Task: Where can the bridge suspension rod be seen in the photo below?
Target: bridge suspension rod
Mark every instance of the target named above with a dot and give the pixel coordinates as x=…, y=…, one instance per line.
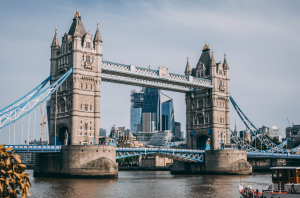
x=34, y=101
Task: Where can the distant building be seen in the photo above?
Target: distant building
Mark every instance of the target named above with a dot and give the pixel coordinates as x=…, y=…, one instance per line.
x=265, y=130
x=293, y=133
x=137, y=98
x=178, y=135
x=275, y=132
x=151, y=111
x=160, y=138
x=102, y=132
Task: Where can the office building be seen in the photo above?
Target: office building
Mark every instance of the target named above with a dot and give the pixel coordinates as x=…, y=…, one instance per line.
x=102, y=132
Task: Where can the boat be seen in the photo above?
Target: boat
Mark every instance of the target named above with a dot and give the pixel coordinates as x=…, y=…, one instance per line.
x=285, y=184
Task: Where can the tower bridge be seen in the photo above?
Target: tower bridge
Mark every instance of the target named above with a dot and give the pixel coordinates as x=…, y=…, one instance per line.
x=76, y=72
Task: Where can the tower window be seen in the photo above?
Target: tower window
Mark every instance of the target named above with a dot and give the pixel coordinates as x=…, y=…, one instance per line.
x=85, y=86
x=88, y=44
x=90, y=128
x=90, y=122
x=91, y=109
x=86, y=127
x=83, y=58
x=88, y=59
x=90, y=134
x=81, y=85
x=91, y=87
x=81, y=110
x=79, y=143
x=86, y=107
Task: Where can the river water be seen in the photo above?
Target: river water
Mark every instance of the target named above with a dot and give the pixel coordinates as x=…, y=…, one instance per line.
x=147, y=184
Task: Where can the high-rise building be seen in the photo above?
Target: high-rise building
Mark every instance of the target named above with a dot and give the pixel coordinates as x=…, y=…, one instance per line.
x=102, y=132
x=177, y=130
x=137, y=98
x=151, y=111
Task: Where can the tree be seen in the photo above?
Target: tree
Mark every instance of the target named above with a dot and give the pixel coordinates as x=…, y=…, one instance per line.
x=13, y=180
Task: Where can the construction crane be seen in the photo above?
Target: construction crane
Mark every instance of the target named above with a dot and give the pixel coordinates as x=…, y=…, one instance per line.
x=288, y=121
x=43, y=123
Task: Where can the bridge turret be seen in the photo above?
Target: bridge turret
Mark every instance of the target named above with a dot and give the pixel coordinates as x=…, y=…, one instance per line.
x=78, y=98
x=54, y=51
x=98, y=40
x=188, y=71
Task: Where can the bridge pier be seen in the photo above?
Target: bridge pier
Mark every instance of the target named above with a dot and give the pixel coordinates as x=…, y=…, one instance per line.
x=78, y=161
x=216, y=162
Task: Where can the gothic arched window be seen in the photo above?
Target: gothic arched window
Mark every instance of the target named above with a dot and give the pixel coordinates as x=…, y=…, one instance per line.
x=86, y=107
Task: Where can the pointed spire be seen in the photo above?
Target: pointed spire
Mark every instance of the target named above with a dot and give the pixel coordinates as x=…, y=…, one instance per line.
x=212, y=60
x=55, y=42
x=97, y=37
x=188, y=71
x=225, y=64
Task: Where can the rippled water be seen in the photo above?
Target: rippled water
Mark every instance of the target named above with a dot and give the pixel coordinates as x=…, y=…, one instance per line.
x=146, y=184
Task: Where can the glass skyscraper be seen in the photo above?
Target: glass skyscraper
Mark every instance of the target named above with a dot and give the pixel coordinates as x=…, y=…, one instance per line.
x=151, y=111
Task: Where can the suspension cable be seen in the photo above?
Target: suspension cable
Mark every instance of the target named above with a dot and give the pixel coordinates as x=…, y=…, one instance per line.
x=28, y=128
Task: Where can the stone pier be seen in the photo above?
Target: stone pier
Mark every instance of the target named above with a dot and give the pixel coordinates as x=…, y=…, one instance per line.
x=78, y=161
x=216, y=162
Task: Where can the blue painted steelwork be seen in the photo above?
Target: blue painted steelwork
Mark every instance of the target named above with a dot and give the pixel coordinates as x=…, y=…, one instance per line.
x=34, y=148
x=18, y=112
x=28, y=96
x=244, y=145
x=179, y=154
x=263, y=139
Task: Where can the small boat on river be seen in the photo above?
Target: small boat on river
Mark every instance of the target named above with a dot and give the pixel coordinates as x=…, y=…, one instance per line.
x=285, y=184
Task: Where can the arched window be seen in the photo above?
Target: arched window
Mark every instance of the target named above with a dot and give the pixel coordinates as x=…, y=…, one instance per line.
x=90, y=128
x=63, y=106
x=91, y=143
x=81, y=85
x=86, y=107
x=91, y=87
x=195, y=120
x=90, y=107
x=82, y=57
x=85, y=86
x=200, y=120
x=81, y=107
x=200, y=103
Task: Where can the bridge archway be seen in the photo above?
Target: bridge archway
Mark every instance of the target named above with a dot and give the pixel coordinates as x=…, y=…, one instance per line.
x=62, y=131
x=202, y=143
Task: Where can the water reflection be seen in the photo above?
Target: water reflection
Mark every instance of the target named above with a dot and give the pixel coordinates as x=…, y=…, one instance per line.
x=146, y=184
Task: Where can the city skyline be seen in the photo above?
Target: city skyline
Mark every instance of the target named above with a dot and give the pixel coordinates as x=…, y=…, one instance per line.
x=263, y=86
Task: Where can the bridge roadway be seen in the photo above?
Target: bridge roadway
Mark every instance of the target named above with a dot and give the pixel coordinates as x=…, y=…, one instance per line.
x=179, y=154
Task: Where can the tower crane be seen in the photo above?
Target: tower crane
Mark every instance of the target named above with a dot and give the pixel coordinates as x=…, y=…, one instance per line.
x=43, y=123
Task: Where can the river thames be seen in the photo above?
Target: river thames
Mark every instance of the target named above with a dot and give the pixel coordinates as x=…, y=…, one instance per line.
x=147, y=184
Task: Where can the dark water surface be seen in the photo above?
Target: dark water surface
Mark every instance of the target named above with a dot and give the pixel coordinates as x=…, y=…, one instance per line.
x=147, y=184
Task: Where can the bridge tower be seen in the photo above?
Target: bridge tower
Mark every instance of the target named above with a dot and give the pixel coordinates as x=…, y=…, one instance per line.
x=78, y=99
x=207, y=110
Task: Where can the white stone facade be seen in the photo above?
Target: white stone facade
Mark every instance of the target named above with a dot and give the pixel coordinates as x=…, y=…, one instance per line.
x=78, y=99
x=207, y=110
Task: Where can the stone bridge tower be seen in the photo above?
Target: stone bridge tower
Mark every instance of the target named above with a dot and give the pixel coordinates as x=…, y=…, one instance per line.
x=207, y=110
x=78, y=99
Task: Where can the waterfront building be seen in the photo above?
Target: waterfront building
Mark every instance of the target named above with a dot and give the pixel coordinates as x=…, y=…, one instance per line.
x=161, y=138
x=102, y=132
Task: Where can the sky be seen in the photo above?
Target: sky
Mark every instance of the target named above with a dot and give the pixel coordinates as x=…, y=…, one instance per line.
x=261, y=40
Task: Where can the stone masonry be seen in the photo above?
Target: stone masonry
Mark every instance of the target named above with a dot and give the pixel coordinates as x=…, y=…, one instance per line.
x=207, y=111
x=78, y=99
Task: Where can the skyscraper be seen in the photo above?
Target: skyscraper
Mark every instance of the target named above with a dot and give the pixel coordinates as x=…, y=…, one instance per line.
x=151, y=111
x=137, y=98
